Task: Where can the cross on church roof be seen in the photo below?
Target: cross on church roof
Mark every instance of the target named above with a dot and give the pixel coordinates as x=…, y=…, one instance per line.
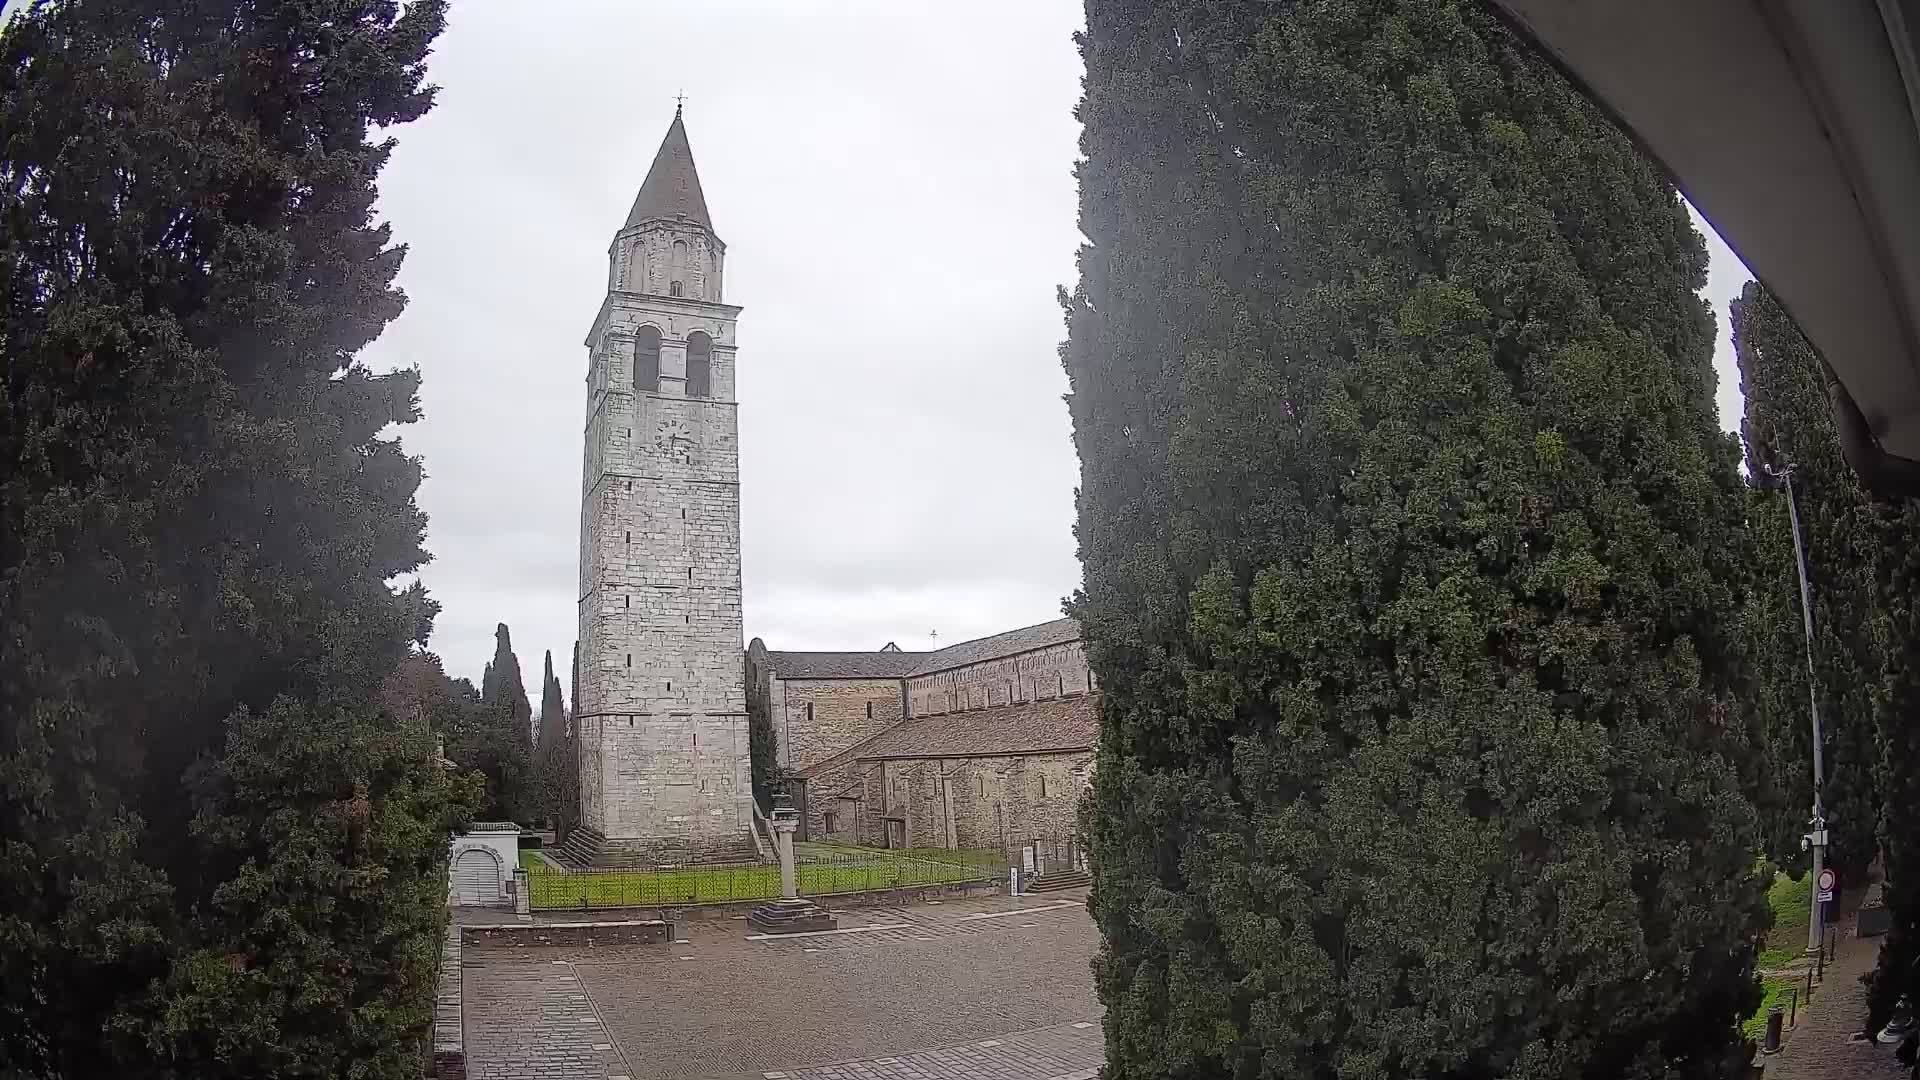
x=679, y=100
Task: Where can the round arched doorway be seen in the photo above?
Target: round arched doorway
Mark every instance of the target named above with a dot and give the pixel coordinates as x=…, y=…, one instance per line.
x=476, y=877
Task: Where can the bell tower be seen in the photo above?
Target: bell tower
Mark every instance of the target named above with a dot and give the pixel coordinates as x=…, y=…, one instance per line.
x=661, y=722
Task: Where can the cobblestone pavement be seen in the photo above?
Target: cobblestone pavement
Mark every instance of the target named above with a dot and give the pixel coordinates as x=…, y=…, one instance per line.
x=869, y=1000
x=1063, y=1052
x=533, y=1019
x=1822, y=1045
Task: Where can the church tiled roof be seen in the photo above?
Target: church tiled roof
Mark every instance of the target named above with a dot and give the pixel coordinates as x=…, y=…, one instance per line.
x=843, y=665
x=894, y=664
x=1025, y=639
x=672, y=187
x=1057, y=725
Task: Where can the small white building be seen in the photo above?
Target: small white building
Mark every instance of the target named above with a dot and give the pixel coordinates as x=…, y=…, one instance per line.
x=481, y=862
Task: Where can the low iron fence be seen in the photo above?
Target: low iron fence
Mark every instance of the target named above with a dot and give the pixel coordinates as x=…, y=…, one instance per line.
x=552, y=889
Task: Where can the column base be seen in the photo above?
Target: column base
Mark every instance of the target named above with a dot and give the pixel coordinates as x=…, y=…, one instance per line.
x=795, y=915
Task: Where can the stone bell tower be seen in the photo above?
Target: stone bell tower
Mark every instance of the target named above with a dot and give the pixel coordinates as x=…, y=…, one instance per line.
x=661, y=724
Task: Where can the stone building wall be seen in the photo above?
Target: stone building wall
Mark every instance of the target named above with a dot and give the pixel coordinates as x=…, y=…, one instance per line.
x=1035, y=675
x=997, y=803
x=662, y=712
x=644, y=260
x=814, y=719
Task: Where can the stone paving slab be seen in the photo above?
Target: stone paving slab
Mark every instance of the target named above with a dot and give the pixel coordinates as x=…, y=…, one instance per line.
x=555, y=1030
x=1071, y=1051
x=949, y=976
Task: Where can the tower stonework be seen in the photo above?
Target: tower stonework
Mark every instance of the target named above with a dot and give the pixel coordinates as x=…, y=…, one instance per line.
x=661, y=723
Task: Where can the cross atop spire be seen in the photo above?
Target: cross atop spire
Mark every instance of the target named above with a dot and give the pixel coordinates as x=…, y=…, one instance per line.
x=679, y=99
x=672, y=187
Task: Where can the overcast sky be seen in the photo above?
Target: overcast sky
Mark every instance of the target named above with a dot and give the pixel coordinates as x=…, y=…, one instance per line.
x=893, y=182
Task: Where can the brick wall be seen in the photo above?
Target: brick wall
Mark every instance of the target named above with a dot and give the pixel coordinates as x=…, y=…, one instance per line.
x=1029, y=676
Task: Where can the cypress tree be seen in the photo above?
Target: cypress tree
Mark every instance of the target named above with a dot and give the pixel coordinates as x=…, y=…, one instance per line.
x=552, y=753
x=218, y=855
x=1863, y=576
x=1406, y=525
x=1788, y=421
x=1898, y=970
x=503, y=686
x=553, y=713
x=570, y=755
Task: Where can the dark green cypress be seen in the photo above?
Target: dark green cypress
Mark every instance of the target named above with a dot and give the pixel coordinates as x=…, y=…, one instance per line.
x=553, y=713
x=508, y=690
x=220, y=858
x=1787, y=421
x=1898, y=969
x=1410, y=543
x=1864, y=576
x=553, y=763
x=489, y=731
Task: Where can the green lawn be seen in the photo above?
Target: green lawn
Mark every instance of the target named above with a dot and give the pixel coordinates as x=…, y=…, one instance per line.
x=1775, y=990
x=842, y=870
x=1787, y=941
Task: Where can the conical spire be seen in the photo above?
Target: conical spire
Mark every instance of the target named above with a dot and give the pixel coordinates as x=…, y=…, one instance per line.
x=672, y=187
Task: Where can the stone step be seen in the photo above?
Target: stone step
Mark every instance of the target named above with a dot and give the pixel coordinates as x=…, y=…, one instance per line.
x=587, y=849
x=1055, y=880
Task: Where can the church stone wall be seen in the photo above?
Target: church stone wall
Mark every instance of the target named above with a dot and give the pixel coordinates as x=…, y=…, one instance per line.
x=814, y=719
x=1035, y=675
x=995, y=803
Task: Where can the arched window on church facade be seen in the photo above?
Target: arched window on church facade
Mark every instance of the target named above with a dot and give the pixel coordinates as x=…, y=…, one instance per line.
x=699, y=365
x=646, y=360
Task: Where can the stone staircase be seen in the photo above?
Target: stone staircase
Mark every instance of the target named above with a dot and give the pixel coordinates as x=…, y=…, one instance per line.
x=1056, y=879
x=582, y=849
x=587, y=849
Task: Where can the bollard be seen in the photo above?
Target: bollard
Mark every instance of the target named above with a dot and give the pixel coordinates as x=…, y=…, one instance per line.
x=1793, y=1007
x=1771, y=1044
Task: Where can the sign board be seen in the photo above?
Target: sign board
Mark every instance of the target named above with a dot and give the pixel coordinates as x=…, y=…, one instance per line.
x=1026, y=858
x=1824, y=886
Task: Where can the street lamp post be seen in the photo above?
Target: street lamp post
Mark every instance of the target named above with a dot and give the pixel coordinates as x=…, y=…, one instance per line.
x=1816, y=840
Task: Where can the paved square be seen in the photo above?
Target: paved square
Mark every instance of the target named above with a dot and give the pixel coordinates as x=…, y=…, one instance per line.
x=926, y=993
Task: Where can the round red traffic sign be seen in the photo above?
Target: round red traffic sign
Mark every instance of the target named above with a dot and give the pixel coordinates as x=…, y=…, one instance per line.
x=1826, y=880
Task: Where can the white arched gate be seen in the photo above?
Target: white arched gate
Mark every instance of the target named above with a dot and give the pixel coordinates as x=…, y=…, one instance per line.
x=476, y=877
